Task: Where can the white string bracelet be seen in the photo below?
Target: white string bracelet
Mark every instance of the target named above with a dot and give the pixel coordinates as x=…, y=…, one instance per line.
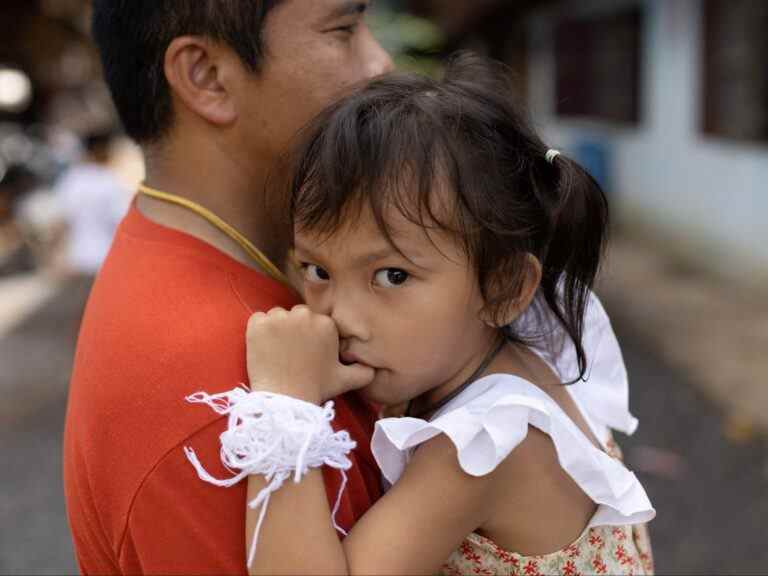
x=277, y=437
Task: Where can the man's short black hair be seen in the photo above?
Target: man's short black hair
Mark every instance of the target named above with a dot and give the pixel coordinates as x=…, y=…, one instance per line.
x=133, y=36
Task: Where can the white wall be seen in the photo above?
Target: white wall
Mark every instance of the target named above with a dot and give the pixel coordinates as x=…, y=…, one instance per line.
x=709, y=196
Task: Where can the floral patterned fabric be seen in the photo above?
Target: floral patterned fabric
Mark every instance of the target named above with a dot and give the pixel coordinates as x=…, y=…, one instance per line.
x=610, y=550
x=602, y=550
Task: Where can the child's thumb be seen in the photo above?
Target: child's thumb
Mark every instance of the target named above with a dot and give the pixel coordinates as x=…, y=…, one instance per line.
x=353, y=377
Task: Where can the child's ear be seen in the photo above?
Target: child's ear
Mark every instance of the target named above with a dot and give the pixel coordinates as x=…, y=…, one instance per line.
x=508, y=305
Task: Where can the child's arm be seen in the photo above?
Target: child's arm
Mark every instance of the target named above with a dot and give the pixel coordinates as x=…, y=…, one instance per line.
x=413, y=529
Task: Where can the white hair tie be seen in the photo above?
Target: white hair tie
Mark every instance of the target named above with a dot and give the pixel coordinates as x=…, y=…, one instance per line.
x=551, y=155
x=277, y=437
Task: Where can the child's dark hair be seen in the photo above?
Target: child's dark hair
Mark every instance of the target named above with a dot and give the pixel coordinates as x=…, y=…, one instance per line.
x=387, y=145
x=133, y=35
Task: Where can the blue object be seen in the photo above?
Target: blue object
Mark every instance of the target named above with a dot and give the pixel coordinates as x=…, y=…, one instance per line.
x=595, y=158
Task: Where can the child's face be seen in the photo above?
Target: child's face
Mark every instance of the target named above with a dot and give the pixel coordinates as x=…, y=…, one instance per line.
x=417, y=323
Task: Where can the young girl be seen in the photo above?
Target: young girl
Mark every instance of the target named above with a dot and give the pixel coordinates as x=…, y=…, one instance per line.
x=428, y=218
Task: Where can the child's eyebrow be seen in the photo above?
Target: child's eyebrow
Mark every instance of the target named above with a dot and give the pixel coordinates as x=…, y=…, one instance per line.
x=298, y=247
x=410, y=254
x=368, y=258
x=376, y=255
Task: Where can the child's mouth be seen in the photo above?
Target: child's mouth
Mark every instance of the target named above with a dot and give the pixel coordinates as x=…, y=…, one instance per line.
x=348, y=358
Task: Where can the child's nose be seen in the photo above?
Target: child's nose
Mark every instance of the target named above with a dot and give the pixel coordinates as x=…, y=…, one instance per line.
x=350, y=321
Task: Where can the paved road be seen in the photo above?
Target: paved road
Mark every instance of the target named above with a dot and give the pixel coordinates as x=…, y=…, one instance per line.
x=35, y=362
x=712, y=497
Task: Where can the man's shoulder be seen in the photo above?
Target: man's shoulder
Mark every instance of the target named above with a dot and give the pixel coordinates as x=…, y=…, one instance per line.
x=156, y=273
x=163, y=269
x=164, y=321
x=171, y=262
x=167, y=315
x=159, y=305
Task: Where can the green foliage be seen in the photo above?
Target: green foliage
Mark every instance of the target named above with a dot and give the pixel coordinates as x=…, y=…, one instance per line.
x=414, y=43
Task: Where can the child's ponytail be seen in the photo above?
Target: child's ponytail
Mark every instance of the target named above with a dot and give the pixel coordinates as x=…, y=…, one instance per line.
x=578, y=212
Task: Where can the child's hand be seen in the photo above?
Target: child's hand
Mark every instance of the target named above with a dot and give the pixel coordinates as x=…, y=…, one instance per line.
x=296, y=353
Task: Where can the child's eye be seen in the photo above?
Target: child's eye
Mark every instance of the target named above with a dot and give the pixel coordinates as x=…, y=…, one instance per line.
x=391, y=277
x=315, y=274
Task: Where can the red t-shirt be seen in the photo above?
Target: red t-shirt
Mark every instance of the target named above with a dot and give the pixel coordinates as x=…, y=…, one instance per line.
x=167, y=318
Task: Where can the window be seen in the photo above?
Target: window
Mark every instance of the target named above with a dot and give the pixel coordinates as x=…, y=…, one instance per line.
x=598, y=66
x=735, y=69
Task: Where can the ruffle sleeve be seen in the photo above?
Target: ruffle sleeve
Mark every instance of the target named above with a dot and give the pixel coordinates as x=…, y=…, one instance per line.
x=604, y=394
x=491, y=419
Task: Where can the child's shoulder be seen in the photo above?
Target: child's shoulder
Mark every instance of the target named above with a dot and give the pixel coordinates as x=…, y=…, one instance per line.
x=478, y=429
x=505, y=420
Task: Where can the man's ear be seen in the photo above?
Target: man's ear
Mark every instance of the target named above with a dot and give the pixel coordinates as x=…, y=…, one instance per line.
x=199, y=74
x=508, y=306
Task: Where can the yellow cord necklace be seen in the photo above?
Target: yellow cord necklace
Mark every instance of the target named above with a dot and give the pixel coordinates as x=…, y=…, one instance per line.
x=247, y=246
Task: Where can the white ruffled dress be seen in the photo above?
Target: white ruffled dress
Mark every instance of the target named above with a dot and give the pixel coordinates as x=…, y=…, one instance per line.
x=491, y=417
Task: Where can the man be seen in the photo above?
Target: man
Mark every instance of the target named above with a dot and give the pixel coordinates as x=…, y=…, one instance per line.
x=213, y=91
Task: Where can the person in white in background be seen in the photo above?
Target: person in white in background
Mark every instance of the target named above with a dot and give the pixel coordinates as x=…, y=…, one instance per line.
x=92, y=200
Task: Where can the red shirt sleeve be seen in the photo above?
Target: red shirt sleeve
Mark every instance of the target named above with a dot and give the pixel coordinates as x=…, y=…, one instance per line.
x=179, y=524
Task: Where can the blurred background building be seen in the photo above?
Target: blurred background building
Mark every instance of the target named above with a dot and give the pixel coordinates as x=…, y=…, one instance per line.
x=665, y=102
x=668, y=103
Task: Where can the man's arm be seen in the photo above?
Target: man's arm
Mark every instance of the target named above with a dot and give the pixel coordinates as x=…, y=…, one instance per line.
x=178, y=524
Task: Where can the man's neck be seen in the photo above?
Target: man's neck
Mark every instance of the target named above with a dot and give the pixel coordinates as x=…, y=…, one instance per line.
x=233, y=196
